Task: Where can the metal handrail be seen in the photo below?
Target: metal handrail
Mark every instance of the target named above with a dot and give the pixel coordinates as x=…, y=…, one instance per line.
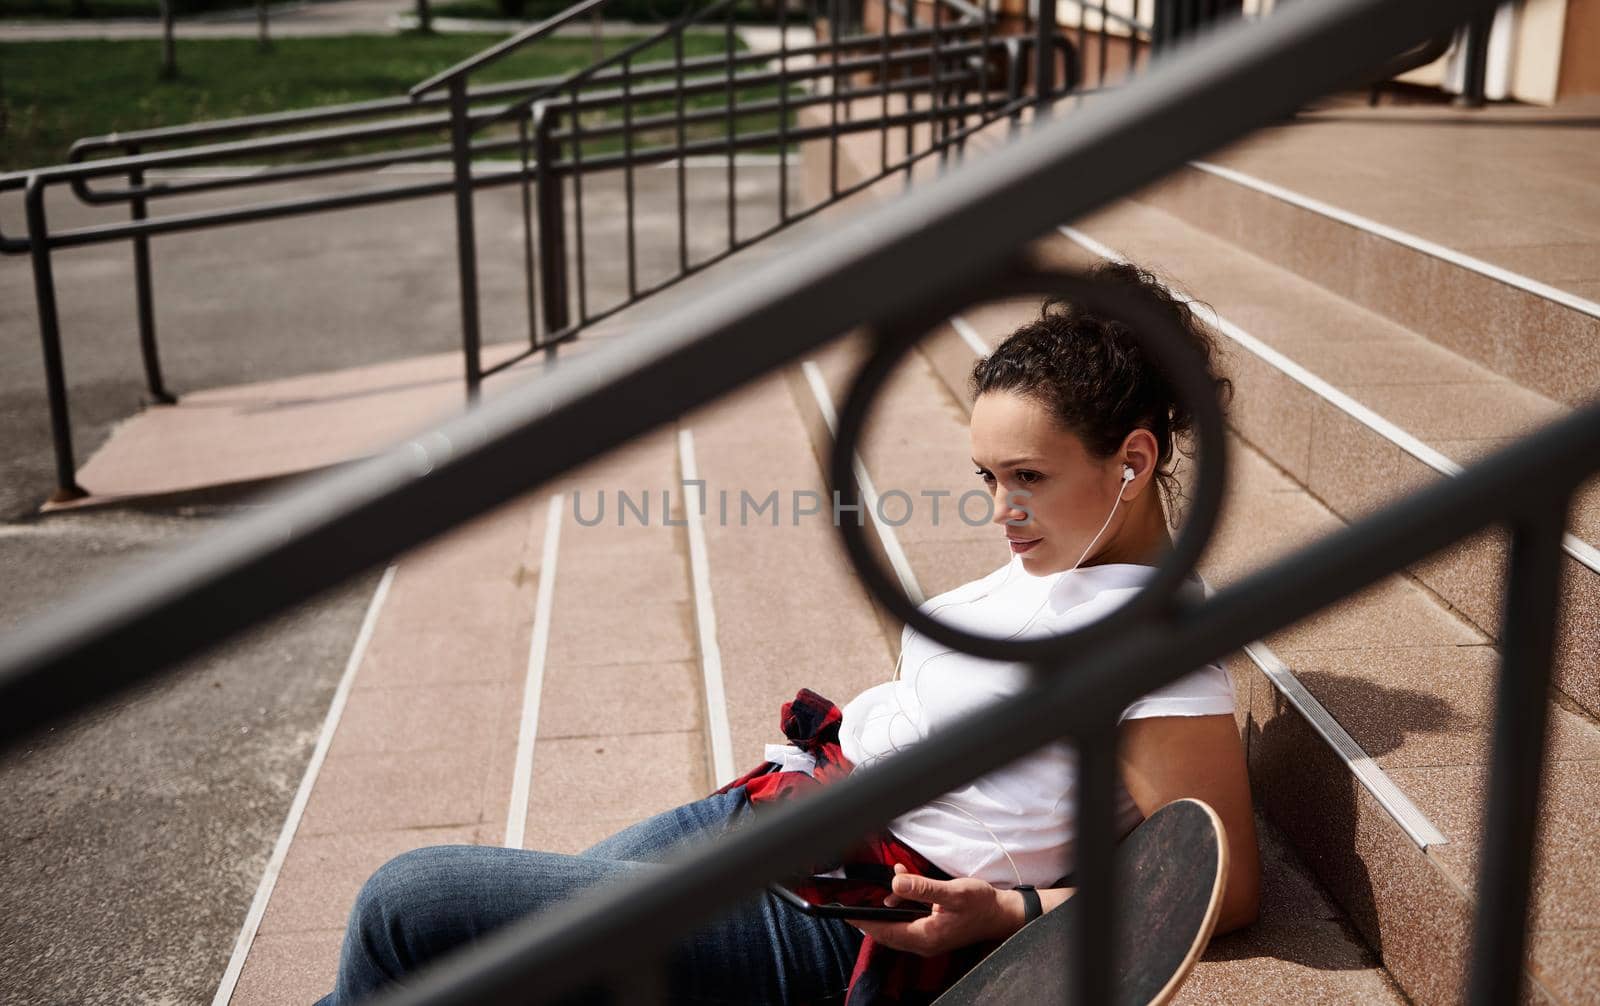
x=159, y=135
x=463, y=122
x=605, y=68
x=79, y=170
x=500, y=50
x=544, y=28
x=467, y=115
x=891, y=271
x=567, y=100
x=949, y=122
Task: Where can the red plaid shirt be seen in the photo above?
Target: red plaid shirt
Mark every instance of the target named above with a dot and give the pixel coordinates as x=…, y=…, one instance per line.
x=882, y=975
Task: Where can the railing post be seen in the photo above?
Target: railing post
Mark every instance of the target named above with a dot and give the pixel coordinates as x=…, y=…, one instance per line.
x=466, y=236
x=1163, y=22
x=1071, y=64
x=1475, y=60
x=55, y=378
x=1014, y=58
x=1044, y=55
x=552, y=220
x=527, y=230
x=911, y=96
x=1510, y=816
x=146, y=299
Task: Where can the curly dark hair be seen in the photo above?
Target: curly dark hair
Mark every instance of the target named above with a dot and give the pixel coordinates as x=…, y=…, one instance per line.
x=1095, y=377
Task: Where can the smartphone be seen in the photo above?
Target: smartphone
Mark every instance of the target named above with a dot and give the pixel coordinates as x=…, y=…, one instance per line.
x=839, y=898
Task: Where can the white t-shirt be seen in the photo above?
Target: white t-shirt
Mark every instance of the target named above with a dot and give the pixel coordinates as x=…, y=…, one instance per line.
x=1013, y=825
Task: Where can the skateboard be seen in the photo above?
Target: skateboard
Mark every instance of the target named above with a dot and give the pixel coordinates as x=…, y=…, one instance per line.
x=1170, y=874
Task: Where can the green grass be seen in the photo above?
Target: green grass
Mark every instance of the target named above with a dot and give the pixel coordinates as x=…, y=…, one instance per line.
x=52, y=93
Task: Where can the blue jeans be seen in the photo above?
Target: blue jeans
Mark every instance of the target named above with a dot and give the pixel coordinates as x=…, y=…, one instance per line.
x=425, y=903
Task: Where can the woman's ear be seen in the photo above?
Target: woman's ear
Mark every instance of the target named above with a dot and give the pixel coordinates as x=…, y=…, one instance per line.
x=1138, y=453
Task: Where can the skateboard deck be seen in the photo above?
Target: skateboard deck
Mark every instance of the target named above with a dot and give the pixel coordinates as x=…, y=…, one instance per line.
x=1170, y=874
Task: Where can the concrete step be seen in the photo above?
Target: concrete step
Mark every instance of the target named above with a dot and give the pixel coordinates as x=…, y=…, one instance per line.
x=601, y=680
x=418, y=749
x=1471, y=289
x=612, y=693
x=789, y=610
x=622, y=720
x=1300, y=949
x=238, y=438
x=498, y=701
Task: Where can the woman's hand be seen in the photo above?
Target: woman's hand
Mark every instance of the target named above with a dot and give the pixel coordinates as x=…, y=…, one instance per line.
x=965, y=911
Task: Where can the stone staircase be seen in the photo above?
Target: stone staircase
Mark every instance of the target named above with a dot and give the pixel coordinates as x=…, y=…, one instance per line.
x=427, y=747
x=1367, y=363
x=539, y=679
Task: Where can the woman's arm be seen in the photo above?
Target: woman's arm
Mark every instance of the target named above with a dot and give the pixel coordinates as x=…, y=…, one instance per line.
x=1167, y=758
x=1164, y=758
x=1016, y=911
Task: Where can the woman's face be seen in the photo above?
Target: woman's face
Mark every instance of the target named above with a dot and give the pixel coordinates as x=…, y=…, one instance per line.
x=1019, y=449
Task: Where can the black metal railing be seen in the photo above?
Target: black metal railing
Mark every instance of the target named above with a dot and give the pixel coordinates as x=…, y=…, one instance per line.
x=620, y=114
x=331, y=128
x=557, y=142
x=897, y=274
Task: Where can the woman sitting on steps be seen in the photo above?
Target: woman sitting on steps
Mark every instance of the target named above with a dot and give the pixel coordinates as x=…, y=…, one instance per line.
x=1072, y=430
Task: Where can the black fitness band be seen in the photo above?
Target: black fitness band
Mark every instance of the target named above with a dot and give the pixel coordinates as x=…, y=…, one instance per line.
x=1032, y=906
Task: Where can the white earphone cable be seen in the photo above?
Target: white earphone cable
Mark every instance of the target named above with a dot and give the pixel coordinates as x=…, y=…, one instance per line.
x=995, y=838
x=1092, y=541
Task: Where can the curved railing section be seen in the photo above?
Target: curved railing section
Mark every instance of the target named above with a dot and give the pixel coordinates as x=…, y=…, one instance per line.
x=953, y=74
x=603, y=117
x=902, y=268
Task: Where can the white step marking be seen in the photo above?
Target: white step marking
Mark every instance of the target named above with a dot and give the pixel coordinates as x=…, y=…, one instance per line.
x=297, y=808
x=1400, y=237
x=1374, y=779
x=970, y=336
x=717, y=728
x=869, y=493
x=533, y=688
